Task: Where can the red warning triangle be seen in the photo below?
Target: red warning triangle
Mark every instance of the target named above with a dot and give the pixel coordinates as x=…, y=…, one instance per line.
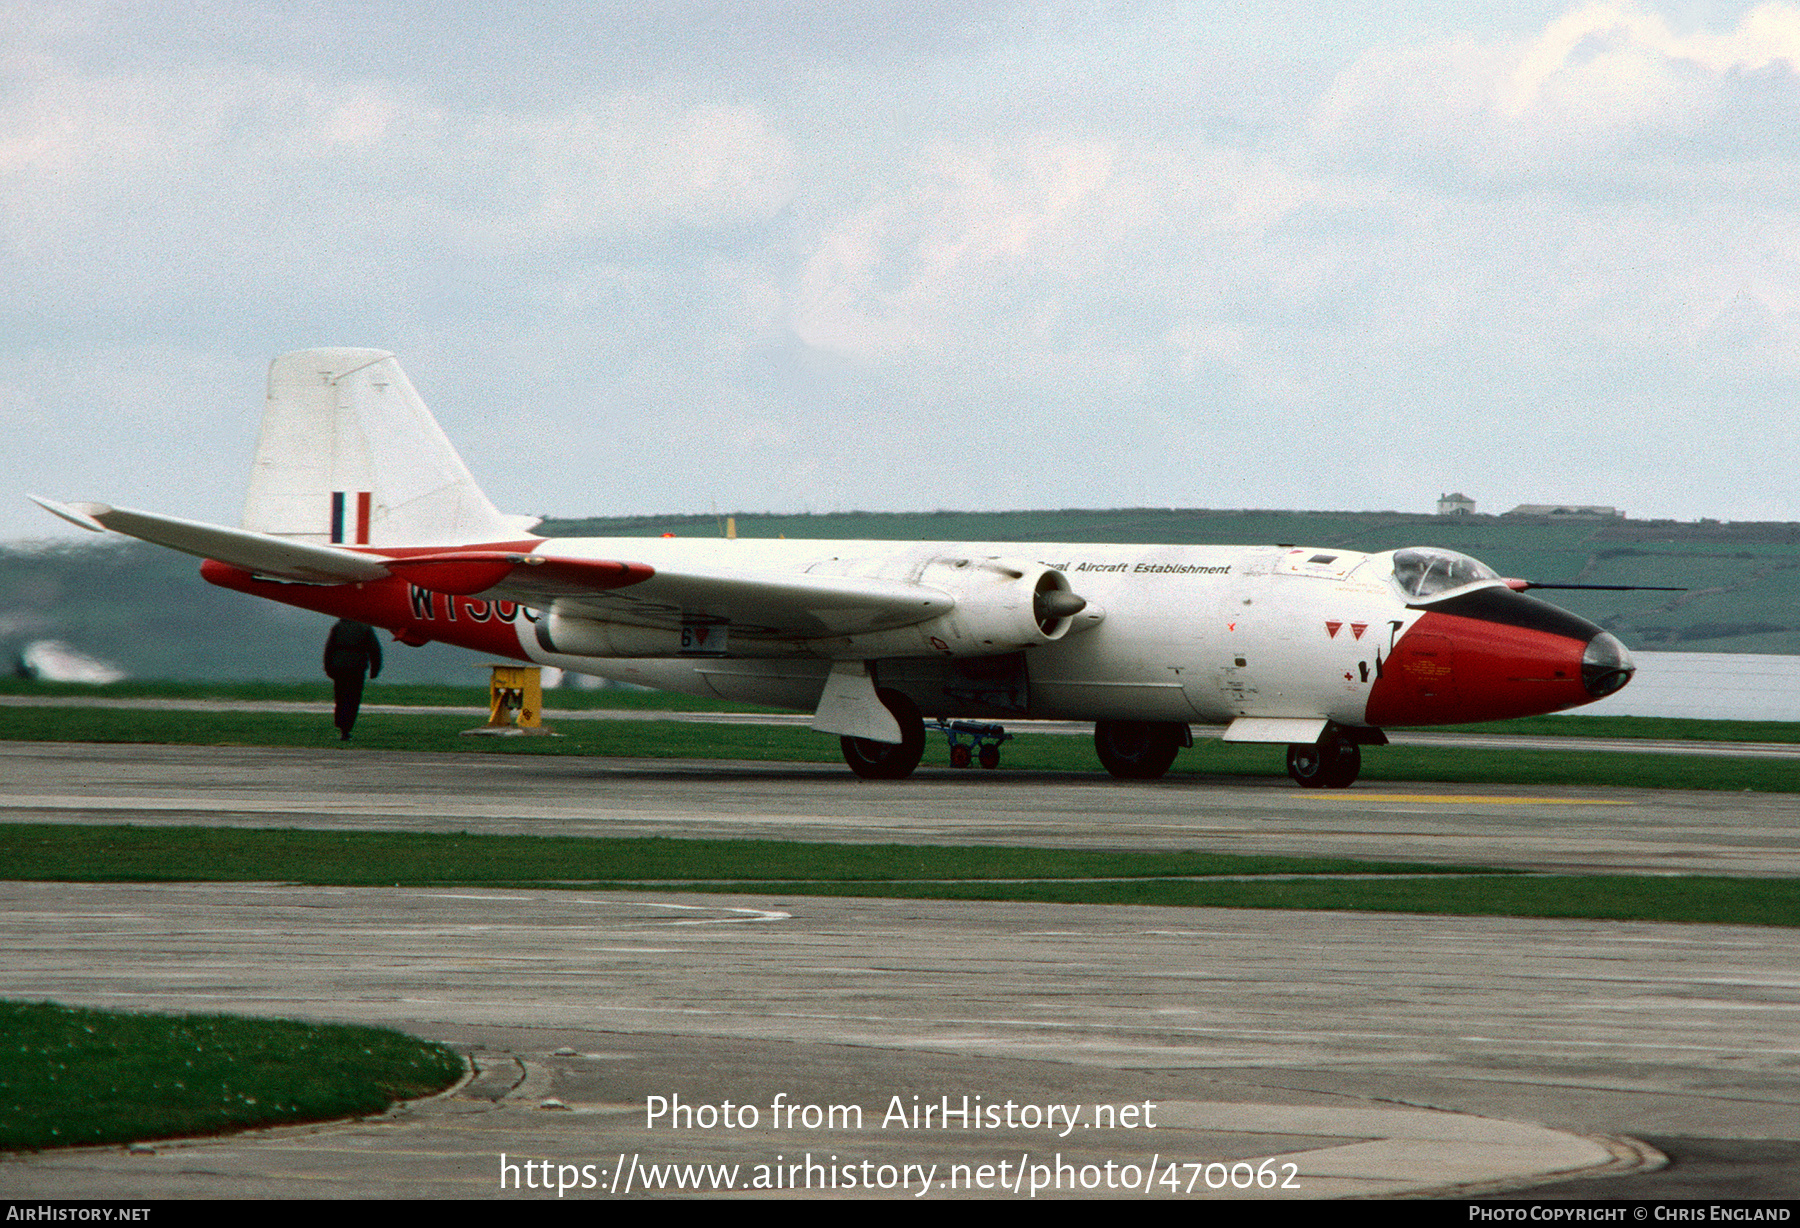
x=1357, y=629
x=1332, y=627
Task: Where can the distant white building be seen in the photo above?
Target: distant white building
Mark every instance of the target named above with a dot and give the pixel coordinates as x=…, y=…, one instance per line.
x=1457, y=504
x=1567, y=511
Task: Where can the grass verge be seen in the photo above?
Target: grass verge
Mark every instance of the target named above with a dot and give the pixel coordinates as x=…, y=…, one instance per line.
x=678, y=740
x=56, y=852
x=80, y=853
x=419, y=694
x=1623, y=897
x=633, y=699
x=73, y=1077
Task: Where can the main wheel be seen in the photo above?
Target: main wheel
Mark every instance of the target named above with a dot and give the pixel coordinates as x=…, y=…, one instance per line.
x=1137, y=750
x=1331, y=764
x=889, y=760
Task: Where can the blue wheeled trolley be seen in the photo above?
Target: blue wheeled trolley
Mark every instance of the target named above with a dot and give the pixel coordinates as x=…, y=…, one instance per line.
x=971, y=743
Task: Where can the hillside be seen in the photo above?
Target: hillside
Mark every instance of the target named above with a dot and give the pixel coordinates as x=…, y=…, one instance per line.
x=148, y=611
x=1743, y=578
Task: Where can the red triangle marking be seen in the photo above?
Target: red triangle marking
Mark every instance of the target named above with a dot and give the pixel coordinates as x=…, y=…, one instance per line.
x=1332, y=627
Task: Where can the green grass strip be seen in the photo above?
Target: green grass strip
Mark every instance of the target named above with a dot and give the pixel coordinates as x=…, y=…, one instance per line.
x=1575, y=768
x=80, y=853
x=631, y=698
x=56, y=852
x=413, y=694
x=673, y=739
x=73, y=1077
x=1674, y=728
x=1719, y=901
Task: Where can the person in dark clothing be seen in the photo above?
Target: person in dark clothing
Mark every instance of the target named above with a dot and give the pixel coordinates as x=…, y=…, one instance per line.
x=351, y=649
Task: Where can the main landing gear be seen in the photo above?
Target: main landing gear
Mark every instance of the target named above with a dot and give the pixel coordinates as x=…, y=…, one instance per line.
x=970, y=743
x=1130, y=750
x=1332, y=763
x=873, y=760
x=1140, y=750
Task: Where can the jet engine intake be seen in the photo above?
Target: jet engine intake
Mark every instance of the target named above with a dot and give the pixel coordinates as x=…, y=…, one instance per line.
x=1001, y=604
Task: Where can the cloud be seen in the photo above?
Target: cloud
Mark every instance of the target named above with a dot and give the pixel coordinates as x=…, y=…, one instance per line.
x=1597, y=94
x=1035, y=244
x=705, y=253
x=186, y=177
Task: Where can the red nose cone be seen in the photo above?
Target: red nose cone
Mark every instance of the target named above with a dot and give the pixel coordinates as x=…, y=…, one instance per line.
x=1493, y=655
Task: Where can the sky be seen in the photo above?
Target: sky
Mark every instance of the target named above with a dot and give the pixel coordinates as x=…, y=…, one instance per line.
x=691, y=257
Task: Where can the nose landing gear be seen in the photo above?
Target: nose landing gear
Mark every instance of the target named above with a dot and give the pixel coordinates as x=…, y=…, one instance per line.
x=1332, y=763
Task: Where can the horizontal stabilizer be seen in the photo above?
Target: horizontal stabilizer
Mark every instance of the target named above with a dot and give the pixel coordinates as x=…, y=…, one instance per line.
x=74, y=513
x=253, y=552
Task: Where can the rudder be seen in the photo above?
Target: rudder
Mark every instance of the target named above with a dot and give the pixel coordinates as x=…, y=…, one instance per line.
x=349, y=454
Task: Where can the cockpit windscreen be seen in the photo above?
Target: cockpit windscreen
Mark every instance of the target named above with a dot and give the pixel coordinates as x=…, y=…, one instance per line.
x=1428, y=571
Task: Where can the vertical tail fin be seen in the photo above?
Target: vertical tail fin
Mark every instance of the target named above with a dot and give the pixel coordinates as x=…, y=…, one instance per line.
x=348, y=453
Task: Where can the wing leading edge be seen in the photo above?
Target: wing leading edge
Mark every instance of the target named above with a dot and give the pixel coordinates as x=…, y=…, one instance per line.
x=766, y=604
x=756, y=604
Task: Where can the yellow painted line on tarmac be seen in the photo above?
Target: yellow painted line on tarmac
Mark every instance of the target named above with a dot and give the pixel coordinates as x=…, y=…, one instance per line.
x=1454, y=798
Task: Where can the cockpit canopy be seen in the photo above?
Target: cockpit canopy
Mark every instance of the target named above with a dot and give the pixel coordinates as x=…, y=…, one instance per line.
x=1423, y=572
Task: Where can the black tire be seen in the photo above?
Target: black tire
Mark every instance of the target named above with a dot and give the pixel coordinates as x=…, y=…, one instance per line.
x=873, y=760
x=1332, y=764
x=990, y=757
x=1138, y=750
x=959, y=757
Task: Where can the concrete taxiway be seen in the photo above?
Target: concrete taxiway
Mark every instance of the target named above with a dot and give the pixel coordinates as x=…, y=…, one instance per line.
x=1640, y=831
x=1376, y=1053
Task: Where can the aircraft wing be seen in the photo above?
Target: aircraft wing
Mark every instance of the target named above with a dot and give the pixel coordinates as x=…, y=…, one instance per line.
x=756, y=604
x=256, y=552
x=767, y=604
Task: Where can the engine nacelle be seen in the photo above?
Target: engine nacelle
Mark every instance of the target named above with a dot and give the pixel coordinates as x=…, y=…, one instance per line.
x=587, y=637
x=1001, y=605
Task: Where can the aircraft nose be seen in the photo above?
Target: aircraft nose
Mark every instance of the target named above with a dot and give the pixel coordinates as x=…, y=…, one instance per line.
x=1490, y=655
x=1605, y=665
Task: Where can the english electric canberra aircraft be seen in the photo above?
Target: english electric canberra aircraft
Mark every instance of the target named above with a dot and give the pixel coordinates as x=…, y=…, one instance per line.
x=359, y=507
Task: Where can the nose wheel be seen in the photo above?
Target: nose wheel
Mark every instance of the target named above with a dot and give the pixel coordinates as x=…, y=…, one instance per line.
x=1331, y=764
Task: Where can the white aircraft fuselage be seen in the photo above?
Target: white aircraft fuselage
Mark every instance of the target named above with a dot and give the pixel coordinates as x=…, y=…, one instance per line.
x=1213, y=634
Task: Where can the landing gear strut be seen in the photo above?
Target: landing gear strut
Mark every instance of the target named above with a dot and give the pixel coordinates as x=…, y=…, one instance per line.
x=874, y=760
x=1330, y=764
